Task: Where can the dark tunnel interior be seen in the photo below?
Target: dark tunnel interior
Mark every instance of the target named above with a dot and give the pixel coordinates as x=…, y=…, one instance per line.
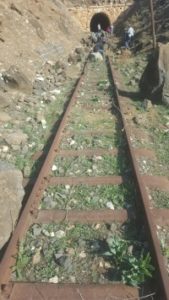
x=99, y=18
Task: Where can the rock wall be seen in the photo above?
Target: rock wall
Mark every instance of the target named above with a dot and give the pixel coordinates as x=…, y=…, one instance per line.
x=34, y=31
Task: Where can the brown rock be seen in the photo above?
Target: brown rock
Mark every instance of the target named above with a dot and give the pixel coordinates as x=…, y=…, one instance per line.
x=15, y=138
x=11, y=195
x=140, y=120
x=15, y=79
x=4, y=100
x=37, y=257
x=4, y=117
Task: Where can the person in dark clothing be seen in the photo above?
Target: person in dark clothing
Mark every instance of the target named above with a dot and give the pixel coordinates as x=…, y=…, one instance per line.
x=126, y=38
x=99, y=47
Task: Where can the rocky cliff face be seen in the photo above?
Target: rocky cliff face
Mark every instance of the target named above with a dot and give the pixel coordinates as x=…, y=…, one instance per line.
x=34, y=31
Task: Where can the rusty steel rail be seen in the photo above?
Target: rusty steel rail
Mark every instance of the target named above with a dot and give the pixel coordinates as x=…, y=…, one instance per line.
x=151, y=227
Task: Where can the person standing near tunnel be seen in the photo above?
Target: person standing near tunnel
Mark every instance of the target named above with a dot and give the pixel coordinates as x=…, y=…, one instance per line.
x=112, y=29
x=131, y=33
x=99, y=31
x=99, y=27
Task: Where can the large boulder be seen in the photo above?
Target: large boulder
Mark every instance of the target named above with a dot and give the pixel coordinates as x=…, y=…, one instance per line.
x=11, y=196
x=16, y=79
x=4, y=100
x=96, y=56
x=4, y=117
x=15, y=137
x=154, y=83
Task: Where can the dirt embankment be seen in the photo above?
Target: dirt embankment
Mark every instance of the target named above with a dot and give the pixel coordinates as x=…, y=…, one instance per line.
x=34, y=31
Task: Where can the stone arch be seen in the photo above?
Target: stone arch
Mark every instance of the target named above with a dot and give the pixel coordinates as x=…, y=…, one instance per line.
x=99, y=18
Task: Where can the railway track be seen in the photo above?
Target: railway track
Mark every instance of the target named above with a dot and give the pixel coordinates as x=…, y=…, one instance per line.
x=74, y=215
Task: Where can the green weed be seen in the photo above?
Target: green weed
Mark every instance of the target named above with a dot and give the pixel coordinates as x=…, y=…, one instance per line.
x=88, y=197
x=83, y=165
x=163, y=235
x=101, y=85
x=72, y=245
x=137, y=269
x=95, y=99
x=132, y=269
x=164, y=247
x=161, y=145
x=21, y=262
x=160, y=199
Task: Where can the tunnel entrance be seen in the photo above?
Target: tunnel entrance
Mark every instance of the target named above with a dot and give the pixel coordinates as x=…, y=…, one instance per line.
x=99, y=18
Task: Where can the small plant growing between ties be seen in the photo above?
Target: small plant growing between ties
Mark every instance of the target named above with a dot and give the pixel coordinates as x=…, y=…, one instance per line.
x=164, y=245
x=95, y=99
x=130, y=269
x=21, y=262
x=101, y=85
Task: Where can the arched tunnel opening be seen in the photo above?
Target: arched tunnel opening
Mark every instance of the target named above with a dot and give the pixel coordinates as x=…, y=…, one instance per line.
x=99, y=18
